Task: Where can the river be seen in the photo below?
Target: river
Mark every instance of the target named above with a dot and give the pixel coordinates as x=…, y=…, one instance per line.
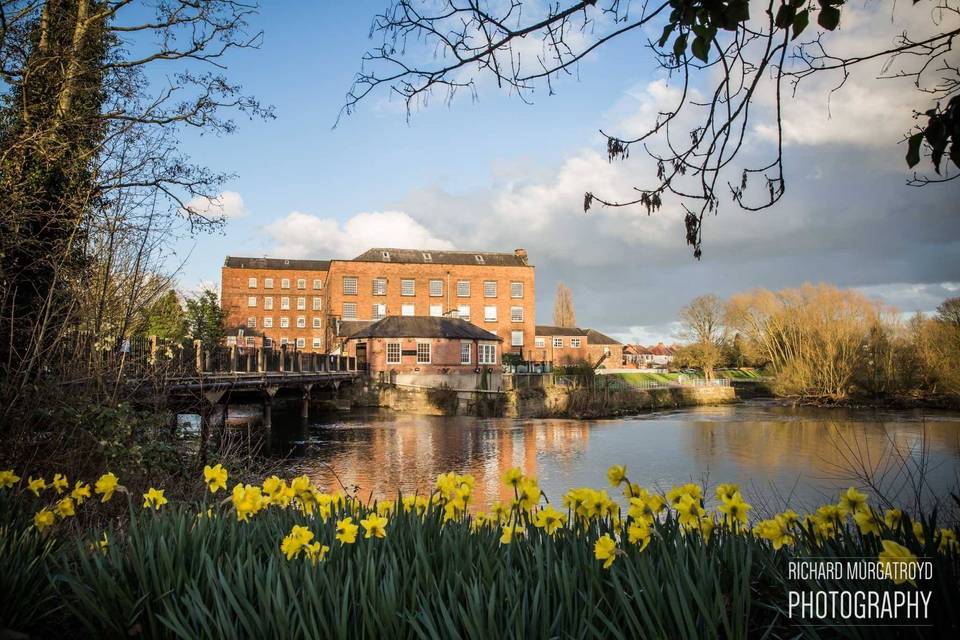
x=801, y=456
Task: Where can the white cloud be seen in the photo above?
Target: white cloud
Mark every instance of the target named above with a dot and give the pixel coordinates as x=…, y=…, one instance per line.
x=302, y=235
x=649, y=335
x=225, y=206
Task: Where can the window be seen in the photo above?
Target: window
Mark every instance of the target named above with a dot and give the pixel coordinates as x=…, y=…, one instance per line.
x=317, y=283
x=252, y=322
x=316, y=343
x=251, y=301
x=606, y=351
x=463, y=288
x=301, y=322
x=393, y=353
x=284, y=322
x=301, y=303
x=516, y=314
x=407, y=287
x=349, y=286
x=252, y=283
x=423, y=353
x=285, y=283
x=486, y=353
x=516, y=289
x=385, y=255
x=349, y=311
x=490, y=313
x=463, y=311
x=267, y=343
x=301, y=343
x=379, y=311
x=575, y=343
x=301, y=283
x=407, y=310
x=539, y=342
x=427, y=257
x=268, y=303
x=436, y=288
x=284, y=342
x=317, y=303
x=251, y=341
x=557, y=342
x=479, y=258
x=516, y=338
x=231, y=340
x=268, y=283
x=464, y=353
x=436, y=310
x=489, y=288
x=284, y=302
x=268, y=323
x=316, y=322
x=379, y=286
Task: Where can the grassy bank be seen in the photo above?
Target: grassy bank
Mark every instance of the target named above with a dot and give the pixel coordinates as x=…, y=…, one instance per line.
x=286, y=560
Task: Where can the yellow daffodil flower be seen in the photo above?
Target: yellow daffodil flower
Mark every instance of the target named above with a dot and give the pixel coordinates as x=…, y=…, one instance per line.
x=512, y=477
x=247, y=501
x=706, y=528
x=316, y=552
x=867, y=521
x=893, y=558
x=81, y=492
x=851, y=501
x=37, y=485
x=776, y=530
x=65, y=508
x=384, y=507
x=106, y=485
x=346, y=531
x=59, y=483
x=631, y=490
x=948, y=541
x=154, y=498
x=918, y=531
x=639, y=533
x=605, y=549
x=893, y=518
x=103, y=544
x=689, y=511
x=499, y=511
x=295, y=541
x=727, y=491
x=43, y=519
x=8, y=478
x=549, y=519
x=616, y=474
x=374, y=526
x=510, y=532
x=215, y=477
x=734, y=510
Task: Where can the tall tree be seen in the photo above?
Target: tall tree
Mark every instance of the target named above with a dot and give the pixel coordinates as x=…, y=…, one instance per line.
x=563, y=312
x=206, y=318
x=166, y=319
x=702, y=327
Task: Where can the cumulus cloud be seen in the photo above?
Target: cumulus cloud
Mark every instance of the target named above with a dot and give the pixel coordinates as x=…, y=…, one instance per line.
x=303, y=235
x=225, y=206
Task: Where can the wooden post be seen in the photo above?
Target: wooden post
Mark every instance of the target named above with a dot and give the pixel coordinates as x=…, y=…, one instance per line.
x=261, y=360
x=283, y=358
x=153, y=349
x=268, y=393
x=198, y=355
x=305, y=408
x=299, y=366
x=233, y=358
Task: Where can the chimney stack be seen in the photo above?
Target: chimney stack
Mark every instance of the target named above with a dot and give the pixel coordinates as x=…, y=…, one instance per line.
x=522, y=254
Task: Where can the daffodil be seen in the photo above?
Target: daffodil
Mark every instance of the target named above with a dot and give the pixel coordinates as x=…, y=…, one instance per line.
x=631, y=490
x=893, y=518
x=549, y=519
x=851, y=501
x=247, y=501
x=605, y=549
x=512, y=477
x=776, y=530
x=528, y=494
x=65, y=507
x=867, y=521
x=316, y=552
x=81, y=492
x=37, y=485
x=43, y=519
x=510, y=532
x=346, y=531
x=918, y=532
x=895, y=558
x=616, y=474
x=727, y=491
x=706, y=527
x=499, y=511
x=374, y=526
x=105, y=486
x=154, y=498
x=215, y=477
x=639, y=533
x=295, y=541
x=734, y=510
x=384, y=507
x=689, y=511
x=645, y=506
x=8, y=478
x=59, y=483
x=948, y=541
x=103, y=544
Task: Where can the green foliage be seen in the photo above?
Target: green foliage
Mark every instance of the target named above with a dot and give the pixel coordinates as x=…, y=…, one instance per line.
x=29, y=598
x=206, y=318
x=166, y=319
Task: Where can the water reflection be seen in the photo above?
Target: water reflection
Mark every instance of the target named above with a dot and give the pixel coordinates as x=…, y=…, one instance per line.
x=802, y=454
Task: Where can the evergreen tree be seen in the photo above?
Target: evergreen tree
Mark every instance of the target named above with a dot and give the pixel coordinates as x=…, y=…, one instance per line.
x=206, y=318
x=166, y=319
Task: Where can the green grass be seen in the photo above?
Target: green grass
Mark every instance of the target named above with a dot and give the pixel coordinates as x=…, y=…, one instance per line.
x=641, y=376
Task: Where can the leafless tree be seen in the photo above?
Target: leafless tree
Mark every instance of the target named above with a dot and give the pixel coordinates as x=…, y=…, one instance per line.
x=563, y=312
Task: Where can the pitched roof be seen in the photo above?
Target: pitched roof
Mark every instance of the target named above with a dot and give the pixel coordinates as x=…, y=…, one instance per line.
x=595, y=337
x=638, y=349
x=661, y=350
x=346, y=328
x=235, y=262
x=425, y=327
x=549, y=330
x=431, y=256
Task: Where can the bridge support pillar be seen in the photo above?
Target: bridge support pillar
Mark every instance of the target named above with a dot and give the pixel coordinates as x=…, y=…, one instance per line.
x=261, y=360
x=305, y=407
x=207, y=412
x=268, y=394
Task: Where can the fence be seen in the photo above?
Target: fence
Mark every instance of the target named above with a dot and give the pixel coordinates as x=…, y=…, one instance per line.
x=619, y=384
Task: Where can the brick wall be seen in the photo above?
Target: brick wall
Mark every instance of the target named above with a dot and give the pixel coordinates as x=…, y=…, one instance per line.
x=444, y=355
x=564, y=355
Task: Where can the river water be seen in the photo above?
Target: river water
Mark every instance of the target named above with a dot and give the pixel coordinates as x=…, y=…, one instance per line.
x=801, y=456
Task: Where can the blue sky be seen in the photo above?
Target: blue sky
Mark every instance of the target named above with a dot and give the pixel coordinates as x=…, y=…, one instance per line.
x=499, y=174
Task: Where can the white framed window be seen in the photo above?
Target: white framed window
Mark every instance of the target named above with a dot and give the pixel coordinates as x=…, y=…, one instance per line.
x=316, y=322
x=349, y=285
x=251, y=301
x=301, y=343
x=427, y=257
x=516, y=314
x=575, y=343
x=465, y=349
x=301, y=283
x=408, y=287
x=252, y=322
x=393, y=353
x=349, y=311
x=606, y=351
x=379, y=286
x=516, y=289
x=407, y=310
x=379, y=311
x=436, y=288
x=316, y=343
x=463, y=311
x=251, y=341
x=284, y=302
x=489, y=288
x=268, y=283
x=423, y=353
x=436, y=310
x=490, y=313
x=268, y=303
x=317, y=283
x=463, y=288
x=268, y=322
x=301, y=322
x=252, y=283
x=516, y=338
x=285, y=283
x=284, y=322
x=539, y=342
x=301, y=303
x=557, y=342
x=268, y=343
x=317, y=303
x=486, y=353
x=284, y=341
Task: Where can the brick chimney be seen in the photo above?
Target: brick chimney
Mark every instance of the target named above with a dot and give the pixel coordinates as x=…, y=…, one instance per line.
x=522, y=254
